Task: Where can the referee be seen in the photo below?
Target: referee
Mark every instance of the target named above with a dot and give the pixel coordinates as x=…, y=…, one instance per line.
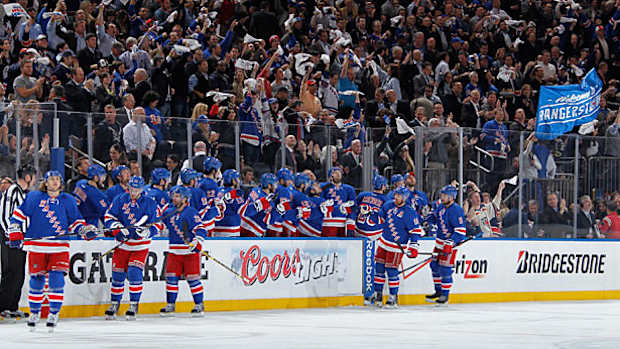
x=13, y=259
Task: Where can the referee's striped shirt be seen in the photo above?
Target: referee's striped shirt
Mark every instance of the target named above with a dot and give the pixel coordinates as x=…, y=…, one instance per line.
x=11, y=199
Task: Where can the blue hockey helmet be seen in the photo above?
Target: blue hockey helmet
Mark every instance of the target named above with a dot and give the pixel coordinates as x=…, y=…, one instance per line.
x=181, y=190
x=229, y=175
x=210, y=163
x=396, y=178
x=379, y=182
x=187, y=175
x=158, y=174
x=334, y=169
x=285, y=174
x=53, y=173
x=268, y=178
x=116, y=172
x=449, y=190
x=95, y=170
x=402, y=191
x=301, y=179
x=136, y=182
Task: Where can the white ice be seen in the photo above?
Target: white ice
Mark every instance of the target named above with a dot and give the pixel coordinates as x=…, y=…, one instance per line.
x=561, y=325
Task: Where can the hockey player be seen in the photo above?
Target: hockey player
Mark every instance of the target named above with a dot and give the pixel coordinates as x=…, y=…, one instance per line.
x=313, y=225
x=130, y=209
x=481, y=218
x=160, y=179
x=368, y=205
x=230, y=224
x=208, y=183
x=189, y=178
x=186, y=238
x=397, y=181
x=91, y=201
x=343, y=195
x=401, y=226
x=450, y=220
x=257, y=211
x=299, y=205
x=121, y=175
x=52, y=214
x=284, y=200
x=417, y=198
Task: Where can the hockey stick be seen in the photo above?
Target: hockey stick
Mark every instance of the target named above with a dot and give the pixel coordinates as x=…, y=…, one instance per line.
x=431, y=257
x=206, y=254
x=419, y=253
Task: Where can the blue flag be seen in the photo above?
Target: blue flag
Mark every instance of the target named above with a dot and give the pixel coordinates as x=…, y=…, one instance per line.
x=560, y=108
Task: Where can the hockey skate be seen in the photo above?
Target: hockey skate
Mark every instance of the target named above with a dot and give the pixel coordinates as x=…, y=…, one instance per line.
x=110, y=314
x=7, y=316
x=52, y=320
x=167, y=311
x=198, y=310
x=442, y=300
x=431, y=298
x=131, y=313
x=377, y=299
x=392, y=301
x=32, y=321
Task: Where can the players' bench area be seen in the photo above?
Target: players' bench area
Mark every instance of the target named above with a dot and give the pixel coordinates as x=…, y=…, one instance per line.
x=328, y=272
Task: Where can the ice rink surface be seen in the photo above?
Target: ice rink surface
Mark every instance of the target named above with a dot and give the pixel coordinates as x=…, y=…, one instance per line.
x=592, y=324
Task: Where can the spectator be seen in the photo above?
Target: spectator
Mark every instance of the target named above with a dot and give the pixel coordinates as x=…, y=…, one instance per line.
x=308, y=156
x=141, y=85
x=352, y=162
x=290, y=161
x=247, y=180
x=26, y=87
x=610, y=225
x=586, y=222
x=117, y=158
x=81, y=167
x=197, y=161
x=555, y=217
x=89, y=56
x=137, y=137
x=107, y=133
x=123, y=114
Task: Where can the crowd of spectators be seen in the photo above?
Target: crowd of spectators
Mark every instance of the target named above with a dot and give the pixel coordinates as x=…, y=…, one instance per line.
x=310, y=84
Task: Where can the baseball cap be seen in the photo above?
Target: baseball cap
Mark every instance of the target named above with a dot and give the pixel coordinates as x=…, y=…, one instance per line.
x=41, y=37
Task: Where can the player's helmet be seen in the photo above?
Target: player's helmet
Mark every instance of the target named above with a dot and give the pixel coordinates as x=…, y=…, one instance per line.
x=334, y=169
x=378, y=182
x=158, y=174
x=181, y=190
x=116, y=172
x=285, y=174
x=136, y=182
x=449, y=190
x=53, y=173
x=268, y=178
x=229, y=175
x=210, y=163
x=396, y=178
x=301, y=179
x=95, y=170
x=402, y=191
x=187, y=175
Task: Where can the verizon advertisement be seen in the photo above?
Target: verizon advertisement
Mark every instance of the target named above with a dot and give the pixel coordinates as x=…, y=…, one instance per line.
x=275, y=269
x=484, y=266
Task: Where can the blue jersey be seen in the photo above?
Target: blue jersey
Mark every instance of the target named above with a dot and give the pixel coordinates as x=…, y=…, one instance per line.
x=199, y=199
x=126, y=212
x=298, y=199
x=494, y=137
x=313, y=226
x=48, y=216
x=450, y=222
x=340, y=194
x=115, y=191
x=400, y=226
x=209, y=187
x=183, y=227
x=159, y=196
x=367, y=214
x=417, y=199
x=230, y=224
x=257, y=212
x=91, y=202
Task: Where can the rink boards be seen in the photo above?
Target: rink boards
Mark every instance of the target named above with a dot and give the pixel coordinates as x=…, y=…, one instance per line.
x=306, y=273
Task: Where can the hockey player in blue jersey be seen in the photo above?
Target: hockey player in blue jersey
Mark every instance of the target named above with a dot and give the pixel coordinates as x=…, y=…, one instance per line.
x=367, y=208
x=91, y=201
x=47, y=212
x=130, y=209
x=401, y=231
x=231, y=195
x=120, y=175
x=257, y=211
x=298, y=205
x=208, y=182
x=450, y=220
x=284, y=201
x=186, y=236
x=397, y=181
x=189, y=178
x=343, y=195
x=160, y=179
x=311, y=224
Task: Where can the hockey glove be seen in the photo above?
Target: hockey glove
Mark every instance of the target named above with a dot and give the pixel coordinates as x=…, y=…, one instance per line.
x=261, y=204
x=220, y=205
x=412, y=250
x=143, y=232
x=16, y=237
x=446, y=252
x=195, y=246
x=283, y=207
x=231, y=195
x=303, y=212
x=345, y=208
x=88, y=232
